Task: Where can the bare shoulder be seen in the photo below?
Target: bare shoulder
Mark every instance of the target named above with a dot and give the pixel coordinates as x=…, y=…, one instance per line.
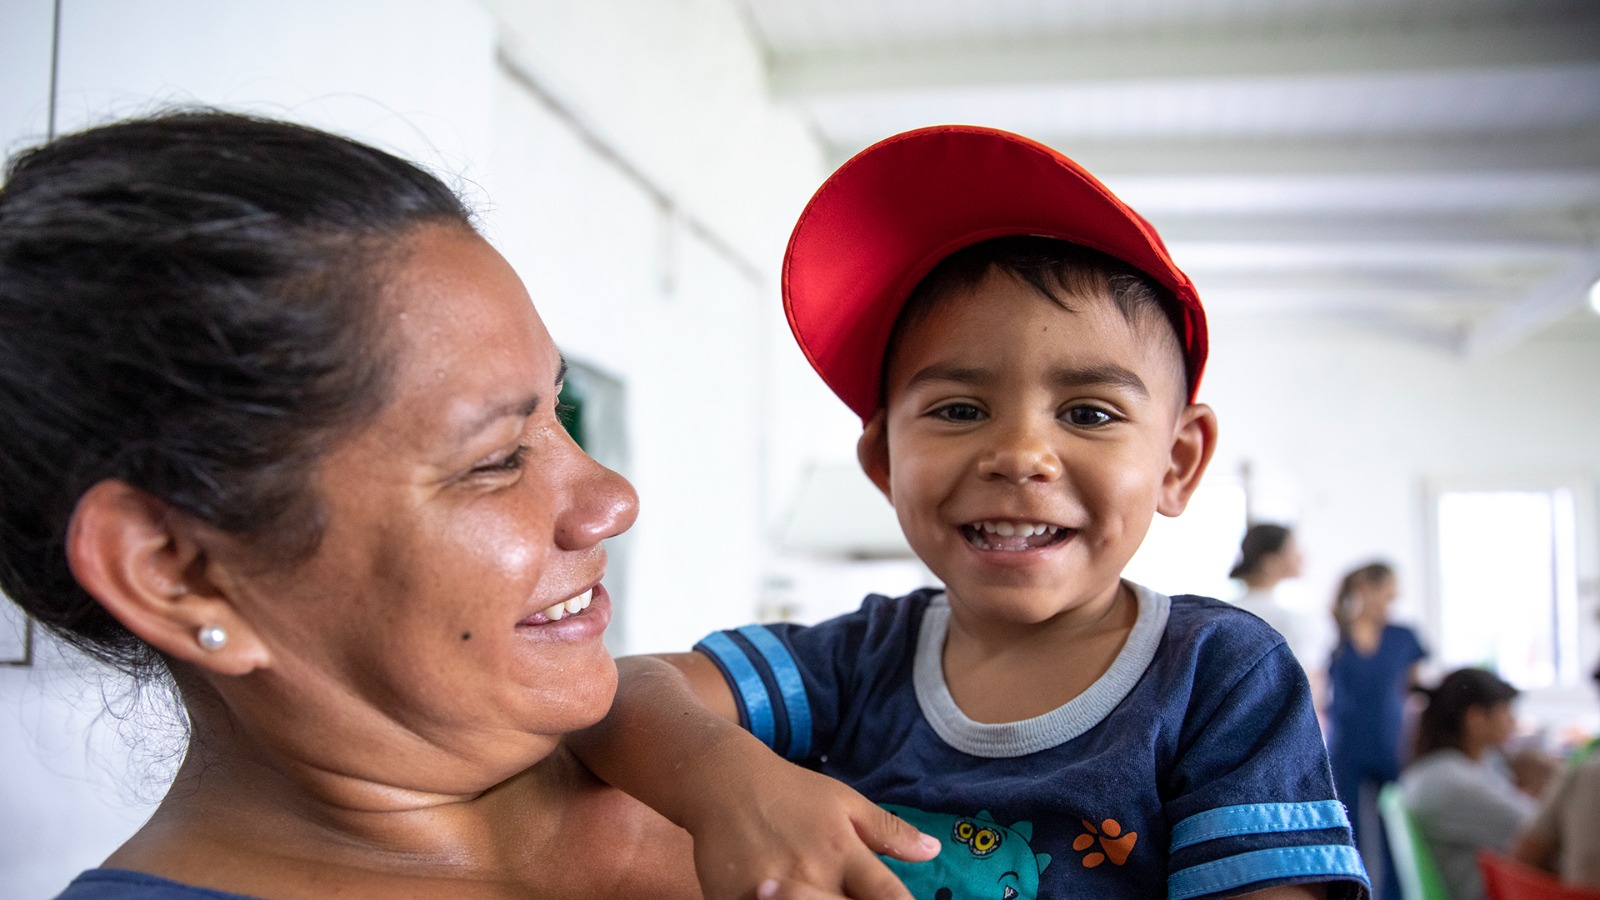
x=611, y=845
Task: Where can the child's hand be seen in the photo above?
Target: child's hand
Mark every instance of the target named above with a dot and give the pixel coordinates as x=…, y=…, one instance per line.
x=779, y=832
x=762, y=826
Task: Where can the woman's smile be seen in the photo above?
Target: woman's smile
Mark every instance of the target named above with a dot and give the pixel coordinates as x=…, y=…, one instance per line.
x=583, y=617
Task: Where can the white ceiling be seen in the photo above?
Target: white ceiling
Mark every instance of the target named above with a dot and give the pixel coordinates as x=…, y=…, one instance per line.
x=1429, y=167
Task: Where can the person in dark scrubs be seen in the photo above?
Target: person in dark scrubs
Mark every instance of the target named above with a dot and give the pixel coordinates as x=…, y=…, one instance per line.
x=1372, y=669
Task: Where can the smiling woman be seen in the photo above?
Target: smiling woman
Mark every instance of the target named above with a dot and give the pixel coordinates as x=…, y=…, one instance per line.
x=282, y=433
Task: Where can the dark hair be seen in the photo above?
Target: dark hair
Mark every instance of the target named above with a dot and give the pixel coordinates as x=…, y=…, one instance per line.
x=1260, y=541
x=1372, y=573
x=1444, y=718
x=188, y=305
x=1055, y=268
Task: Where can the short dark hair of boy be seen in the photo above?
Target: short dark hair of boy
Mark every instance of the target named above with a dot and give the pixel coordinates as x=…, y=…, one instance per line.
x=1055, y=268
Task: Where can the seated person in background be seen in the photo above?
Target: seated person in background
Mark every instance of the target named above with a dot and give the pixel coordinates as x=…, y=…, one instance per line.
x=1564, y=835
x=1024, y=356
x=1456, y=787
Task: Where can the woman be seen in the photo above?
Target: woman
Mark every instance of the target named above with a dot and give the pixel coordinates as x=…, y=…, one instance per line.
x=1456, y=787
x=281, y=433
x=1268, y=556
x=1372, y=669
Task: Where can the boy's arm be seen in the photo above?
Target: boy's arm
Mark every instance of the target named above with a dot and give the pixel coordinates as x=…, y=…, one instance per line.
x=1253, y=782
x=672, y=739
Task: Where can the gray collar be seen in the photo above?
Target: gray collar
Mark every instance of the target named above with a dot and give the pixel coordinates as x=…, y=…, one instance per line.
x=1059, y=725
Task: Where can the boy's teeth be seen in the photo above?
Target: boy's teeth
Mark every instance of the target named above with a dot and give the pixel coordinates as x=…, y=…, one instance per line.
x=1007, y=535
x=1013, y=529
x=569, y=607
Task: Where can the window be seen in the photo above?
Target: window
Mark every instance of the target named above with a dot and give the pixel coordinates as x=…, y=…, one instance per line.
x=1508, y=583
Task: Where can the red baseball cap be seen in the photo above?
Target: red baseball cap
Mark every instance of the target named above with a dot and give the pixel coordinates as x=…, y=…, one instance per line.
x=897, y=208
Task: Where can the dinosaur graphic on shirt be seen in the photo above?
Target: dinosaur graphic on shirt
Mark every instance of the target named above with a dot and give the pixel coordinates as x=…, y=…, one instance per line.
x=980, y=859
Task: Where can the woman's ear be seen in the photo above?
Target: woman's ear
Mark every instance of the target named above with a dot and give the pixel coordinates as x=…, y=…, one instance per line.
x=1193, y=442
x=872, y=451
x=148, y=565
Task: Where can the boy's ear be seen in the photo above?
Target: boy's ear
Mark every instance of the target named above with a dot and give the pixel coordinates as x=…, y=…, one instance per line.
x=1193, y=442
x=148, y=565
x=872, y=451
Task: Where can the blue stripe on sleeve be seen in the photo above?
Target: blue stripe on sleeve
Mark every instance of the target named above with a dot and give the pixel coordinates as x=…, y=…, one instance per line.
x=746, y=681
x=1258, y=818
x=793, y=689
x=1328, y=861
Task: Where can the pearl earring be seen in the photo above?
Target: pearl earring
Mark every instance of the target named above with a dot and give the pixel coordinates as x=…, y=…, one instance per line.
x=212, y=637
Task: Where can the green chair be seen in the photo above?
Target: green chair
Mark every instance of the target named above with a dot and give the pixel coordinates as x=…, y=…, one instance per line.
x=1413, y=861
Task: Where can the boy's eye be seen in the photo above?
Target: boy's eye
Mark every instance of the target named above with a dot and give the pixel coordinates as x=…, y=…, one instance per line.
x=958, y=412
x=1087, y=417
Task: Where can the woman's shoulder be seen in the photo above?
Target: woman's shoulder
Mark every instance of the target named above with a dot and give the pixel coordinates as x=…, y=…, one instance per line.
x=1401, y=642
x=1448, y=777
x=122, y=884
x=1402, y=632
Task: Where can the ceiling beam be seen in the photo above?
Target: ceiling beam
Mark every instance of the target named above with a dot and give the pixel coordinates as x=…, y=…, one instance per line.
x=1553, y=149
x=1571, y=149
x=1563, y=229
x=1545, y=304
x=1503, y=193
x=1366, y=255
x=1188, y=54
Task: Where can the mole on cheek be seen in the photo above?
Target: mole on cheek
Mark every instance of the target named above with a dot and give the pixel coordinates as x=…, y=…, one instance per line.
x=466, y=635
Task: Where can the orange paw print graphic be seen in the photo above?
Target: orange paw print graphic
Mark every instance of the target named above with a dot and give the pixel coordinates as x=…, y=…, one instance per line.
x=1114, y=845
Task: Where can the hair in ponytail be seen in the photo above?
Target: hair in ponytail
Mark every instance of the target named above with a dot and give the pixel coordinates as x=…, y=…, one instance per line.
x=1260, y=541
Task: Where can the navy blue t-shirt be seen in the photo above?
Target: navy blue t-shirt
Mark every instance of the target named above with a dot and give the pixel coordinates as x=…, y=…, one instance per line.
x=1193, y=767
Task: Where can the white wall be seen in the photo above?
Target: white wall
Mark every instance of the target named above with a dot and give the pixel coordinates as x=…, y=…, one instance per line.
x=1345, y=428
x=626, y=163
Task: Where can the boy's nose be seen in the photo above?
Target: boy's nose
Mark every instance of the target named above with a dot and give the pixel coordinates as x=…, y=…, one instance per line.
x=1022, y=454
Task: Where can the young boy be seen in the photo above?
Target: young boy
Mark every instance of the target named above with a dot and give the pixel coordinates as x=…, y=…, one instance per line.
x=1024, y=356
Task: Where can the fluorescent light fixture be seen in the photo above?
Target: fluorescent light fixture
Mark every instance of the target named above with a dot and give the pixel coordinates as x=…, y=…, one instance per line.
x=1594, y=297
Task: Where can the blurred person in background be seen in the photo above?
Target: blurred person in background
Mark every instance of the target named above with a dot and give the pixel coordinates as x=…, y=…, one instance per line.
x=1372, y=668
x=1268, y=556
x=1458, y=786
x=1563, y=836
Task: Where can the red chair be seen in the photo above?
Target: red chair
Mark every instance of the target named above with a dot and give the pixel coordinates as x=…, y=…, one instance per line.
x=1506, y=879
